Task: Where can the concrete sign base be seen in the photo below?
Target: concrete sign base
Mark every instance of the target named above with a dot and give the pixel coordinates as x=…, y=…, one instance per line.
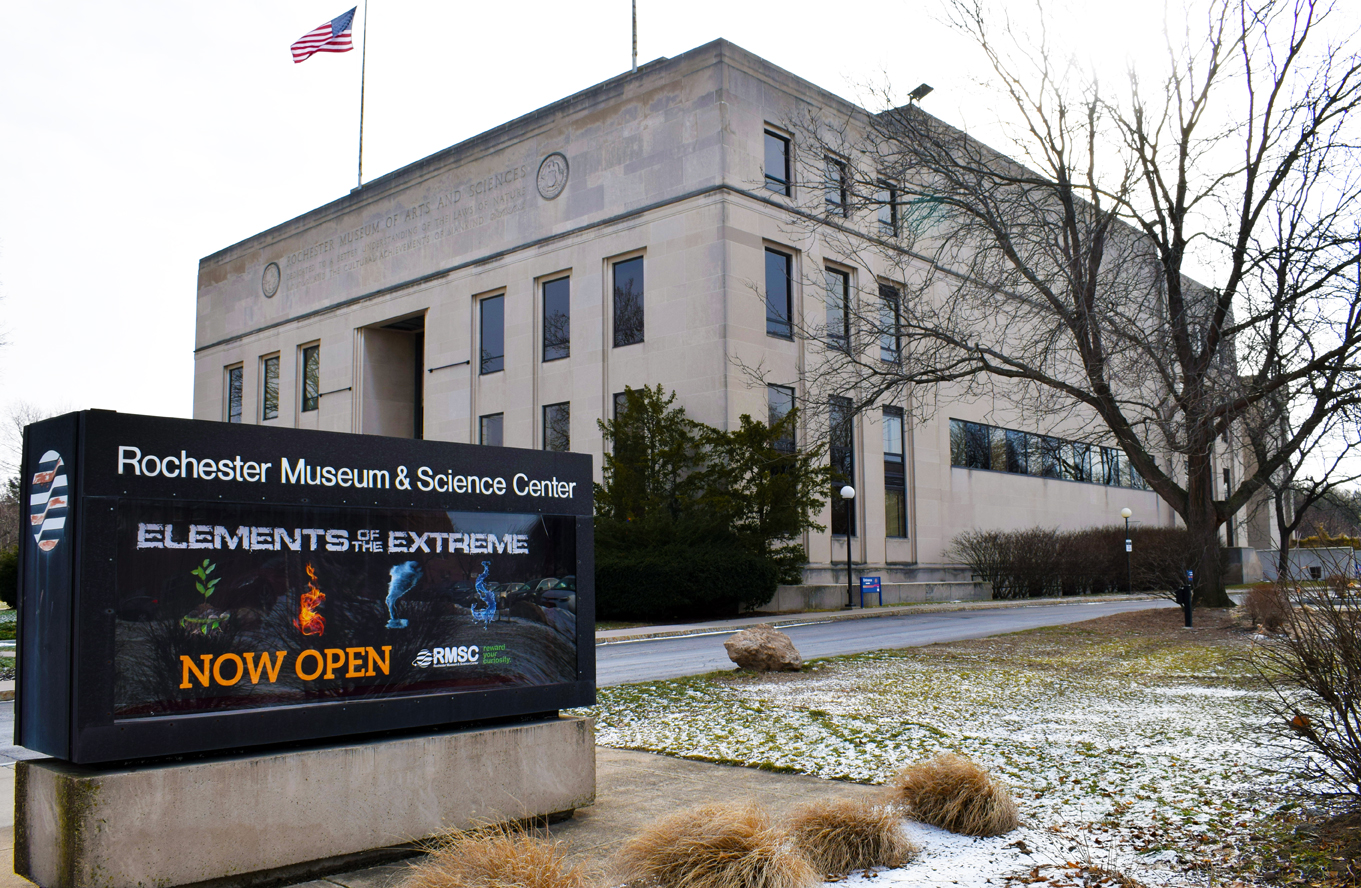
x=249, y=819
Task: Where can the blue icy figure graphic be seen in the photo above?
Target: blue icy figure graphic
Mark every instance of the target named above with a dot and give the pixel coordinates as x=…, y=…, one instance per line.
x=404, y=576
x=487, y=612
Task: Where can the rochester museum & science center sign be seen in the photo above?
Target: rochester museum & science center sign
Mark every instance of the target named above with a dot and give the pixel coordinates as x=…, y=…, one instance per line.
x=196, y=586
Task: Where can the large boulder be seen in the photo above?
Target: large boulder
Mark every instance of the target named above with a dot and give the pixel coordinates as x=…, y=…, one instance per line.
x=763, y=648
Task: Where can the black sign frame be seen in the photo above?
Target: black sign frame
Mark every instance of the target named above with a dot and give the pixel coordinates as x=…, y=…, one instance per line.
x=65, y=663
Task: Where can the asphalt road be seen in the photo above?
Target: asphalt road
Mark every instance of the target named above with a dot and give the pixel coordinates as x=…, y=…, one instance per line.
x=656, y=658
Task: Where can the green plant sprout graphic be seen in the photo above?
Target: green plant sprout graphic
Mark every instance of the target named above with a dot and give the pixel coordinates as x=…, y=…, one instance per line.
x=202, y=620
x=205, y=585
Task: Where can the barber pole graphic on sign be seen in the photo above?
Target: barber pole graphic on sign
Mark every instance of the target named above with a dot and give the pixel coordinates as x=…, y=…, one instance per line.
x=48, y=501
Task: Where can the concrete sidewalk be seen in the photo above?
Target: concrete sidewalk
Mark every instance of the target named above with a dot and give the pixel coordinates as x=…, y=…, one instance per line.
x=735, y=624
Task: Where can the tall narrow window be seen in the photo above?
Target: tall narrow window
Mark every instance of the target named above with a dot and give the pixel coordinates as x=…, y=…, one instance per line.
x=842, y=452
x=557, y=427
x=779, y=301
x=890, y=324
x=235, y=376
x=838, y=310
x=492, y=333
x=836, y=187
x=779, y=402
x=887, y=200
x=1051, y=458
x=1079, y=467
x=489, y=429
x=628, y=302
x=1110, y=467
x=311, y=378
x=1228, y=490
x=977, y=446
x=1018, y=454
x=777, y=163
x=557, y=319
x=895, y=474
x=269, y=388
x=621, y=402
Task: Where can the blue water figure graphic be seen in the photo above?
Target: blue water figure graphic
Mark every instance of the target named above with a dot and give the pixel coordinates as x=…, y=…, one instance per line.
x=404, y=576
x=487, y=612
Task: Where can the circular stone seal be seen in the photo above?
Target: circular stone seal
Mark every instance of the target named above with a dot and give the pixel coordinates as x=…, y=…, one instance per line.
x=269, y=281
x=552, y=175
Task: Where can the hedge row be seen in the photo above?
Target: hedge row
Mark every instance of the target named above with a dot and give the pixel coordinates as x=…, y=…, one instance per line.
x=1042, y=562
x=681, y=582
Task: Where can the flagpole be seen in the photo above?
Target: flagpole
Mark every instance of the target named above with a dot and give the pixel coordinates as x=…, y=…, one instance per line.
x=363, y=60
x=635, y=35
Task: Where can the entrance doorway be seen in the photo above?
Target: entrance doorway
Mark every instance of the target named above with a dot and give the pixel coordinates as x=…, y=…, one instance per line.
x=392, y=386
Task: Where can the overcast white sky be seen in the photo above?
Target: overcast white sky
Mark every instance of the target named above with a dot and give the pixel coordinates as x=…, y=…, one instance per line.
x=139, y=138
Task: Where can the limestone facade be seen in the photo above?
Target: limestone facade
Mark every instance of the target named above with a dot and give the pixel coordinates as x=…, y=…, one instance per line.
x=391, y=282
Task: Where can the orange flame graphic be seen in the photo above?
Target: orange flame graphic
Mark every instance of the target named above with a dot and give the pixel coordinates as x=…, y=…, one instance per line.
x=309, y=620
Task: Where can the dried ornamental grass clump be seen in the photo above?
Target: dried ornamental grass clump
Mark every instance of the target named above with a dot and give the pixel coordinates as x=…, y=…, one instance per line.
x=496, y=857
x=952, y=792
x=716, y=846
x=839, y=836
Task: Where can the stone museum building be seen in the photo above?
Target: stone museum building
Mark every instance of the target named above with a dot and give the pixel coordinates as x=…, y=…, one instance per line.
x=505, y=291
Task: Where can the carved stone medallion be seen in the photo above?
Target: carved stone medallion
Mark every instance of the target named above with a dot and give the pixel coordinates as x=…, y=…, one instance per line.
x=552, y=175
x=269, y=281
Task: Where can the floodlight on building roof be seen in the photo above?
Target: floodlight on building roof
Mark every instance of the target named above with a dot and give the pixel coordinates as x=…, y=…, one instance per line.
x=920, y=92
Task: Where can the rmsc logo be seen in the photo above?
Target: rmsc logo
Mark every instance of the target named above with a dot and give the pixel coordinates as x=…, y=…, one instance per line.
x=464, y=655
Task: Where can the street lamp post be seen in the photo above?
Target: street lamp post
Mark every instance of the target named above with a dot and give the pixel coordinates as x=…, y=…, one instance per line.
x=848, y=494
x=1129, y=547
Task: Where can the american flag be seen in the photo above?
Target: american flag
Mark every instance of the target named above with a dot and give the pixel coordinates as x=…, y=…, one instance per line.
x=333, y=36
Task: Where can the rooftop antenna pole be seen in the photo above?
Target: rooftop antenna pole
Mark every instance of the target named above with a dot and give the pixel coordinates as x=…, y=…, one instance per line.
x=363, y=59
x=635, y=35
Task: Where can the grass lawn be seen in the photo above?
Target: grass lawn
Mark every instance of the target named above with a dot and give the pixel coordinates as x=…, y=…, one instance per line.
x=1128, y=740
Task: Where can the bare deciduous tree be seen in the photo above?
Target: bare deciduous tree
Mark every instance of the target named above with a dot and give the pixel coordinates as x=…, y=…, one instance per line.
x=1061, y=279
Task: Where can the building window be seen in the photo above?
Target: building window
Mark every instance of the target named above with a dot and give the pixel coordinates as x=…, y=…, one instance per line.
x=836, y=187
x=779, y=403
x=492, y=333
x=777, y=163
x=489, y=429
x=1110, y=466
x=269, y=388
x=1228, y=491
x=557, y=427
x=779, y=300
x=235, y=376
x=628, y=302
x=621, y=402
x=311, y=378
x=838, y=310
x=557, y=319
x=895, y=474
x=886, y=199
x=841, y=433
x=890, y=324
x=1018, y=453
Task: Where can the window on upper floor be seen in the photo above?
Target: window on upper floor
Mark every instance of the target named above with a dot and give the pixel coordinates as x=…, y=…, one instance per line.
x=886, y=201
x=838, y=309
x=557, y=427
x=835, y=186
x=890, y=324
x=779, y=403
x=779, y=298
x=557, y=319
x=492, y=333
x=777, y=162
x=235, y=378
x=489, y=428
x=311, y=378
x=628, y=302
x=269, y=387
